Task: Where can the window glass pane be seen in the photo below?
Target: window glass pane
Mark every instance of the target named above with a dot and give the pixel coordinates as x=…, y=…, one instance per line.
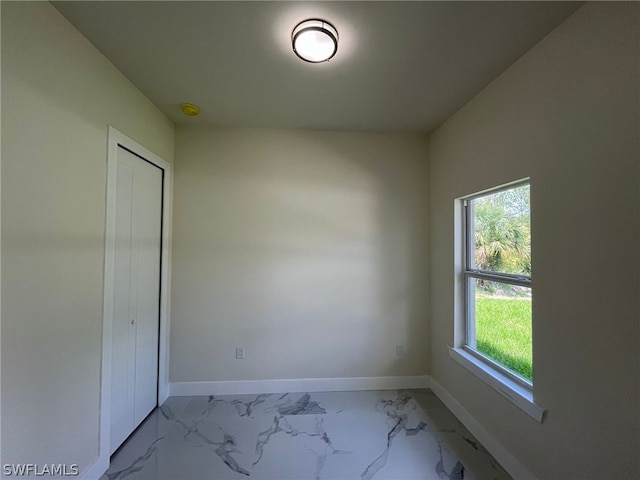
x=501, y=239
x=500, y=324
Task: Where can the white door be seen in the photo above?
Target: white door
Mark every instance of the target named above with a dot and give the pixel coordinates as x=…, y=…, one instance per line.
x=134, y=366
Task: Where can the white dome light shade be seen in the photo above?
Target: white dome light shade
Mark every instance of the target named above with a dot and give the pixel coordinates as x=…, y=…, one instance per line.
x=315, y=41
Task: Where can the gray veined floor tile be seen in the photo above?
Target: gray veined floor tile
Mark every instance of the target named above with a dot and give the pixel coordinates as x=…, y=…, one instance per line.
x=177, y=404
x=333, y=446
x=196, y=449
x=347, y=402
x=426, y=399
x=295, y=446
x=296, y=404
x=231, y=406
x=479, y=465
x=136, y=452
x=390, y=435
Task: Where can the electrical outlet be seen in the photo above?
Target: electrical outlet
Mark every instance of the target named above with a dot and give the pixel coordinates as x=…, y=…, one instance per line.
x=400, y=350
x=239, y=353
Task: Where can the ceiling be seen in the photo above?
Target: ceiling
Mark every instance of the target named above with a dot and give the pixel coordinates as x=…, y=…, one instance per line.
x=400, y=66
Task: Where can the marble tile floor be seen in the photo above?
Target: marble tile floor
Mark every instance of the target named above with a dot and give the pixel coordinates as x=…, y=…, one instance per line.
x=381, y=435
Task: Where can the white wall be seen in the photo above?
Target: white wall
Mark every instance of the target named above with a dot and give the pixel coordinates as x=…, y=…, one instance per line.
x=566, y=115
x=58, y=95
x=309, y=249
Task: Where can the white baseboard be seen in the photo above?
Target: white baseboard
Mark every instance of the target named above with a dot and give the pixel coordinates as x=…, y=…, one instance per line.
x=182, y=389
x=95, y=471
x=510, y=463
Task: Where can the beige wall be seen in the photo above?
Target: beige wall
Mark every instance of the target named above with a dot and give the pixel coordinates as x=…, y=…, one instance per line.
x=308, y=249
x=566, y=115
x=58, y=95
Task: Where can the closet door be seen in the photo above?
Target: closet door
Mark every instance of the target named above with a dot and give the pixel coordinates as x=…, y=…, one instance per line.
x=134, y=368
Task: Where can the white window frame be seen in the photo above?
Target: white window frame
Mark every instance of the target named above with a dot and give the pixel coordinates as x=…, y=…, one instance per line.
x=510, y=385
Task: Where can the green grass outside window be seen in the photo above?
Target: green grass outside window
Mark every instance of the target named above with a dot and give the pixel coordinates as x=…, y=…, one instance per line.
x=503, y=332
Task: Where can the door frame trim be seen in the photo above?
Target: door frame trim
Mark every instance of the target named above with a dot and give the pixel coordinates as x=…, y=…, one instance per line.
x=116, y=139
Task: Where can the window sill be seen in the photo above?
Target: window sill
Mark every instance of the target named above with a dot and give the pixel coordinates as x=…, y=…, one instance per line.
x=516, y=394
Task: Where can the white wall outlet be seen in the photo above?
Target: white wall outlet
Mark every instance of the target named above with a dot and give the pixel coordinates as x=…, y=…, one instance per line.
x=239, y=353
x=400, y=350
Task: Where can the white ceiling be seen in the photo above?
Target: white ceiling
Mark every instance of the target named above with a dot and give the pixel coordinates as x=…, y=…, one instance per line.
x=400, y=66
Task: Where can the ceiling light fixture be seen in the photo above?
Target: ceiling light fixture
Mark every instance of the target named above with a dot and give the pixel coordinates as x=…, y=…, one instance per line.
x=315, y=40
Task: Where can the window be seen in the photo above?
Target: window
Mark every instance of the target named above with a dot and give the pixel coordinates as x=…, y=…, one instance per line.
x=497, y=281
